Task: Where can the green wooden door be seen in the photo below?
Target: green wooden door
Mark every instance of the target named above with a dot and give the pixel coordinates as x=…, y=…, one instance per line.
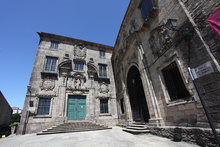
x=76, y=109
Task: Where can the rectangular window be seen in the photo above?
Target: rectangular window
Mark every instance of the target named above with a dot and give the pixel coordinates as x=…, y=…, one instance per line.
x=50, y=65
x=54, y=45
x=78, y=65
x=145, y=7
x=174, y=82
x=102, y=54
x=103, y=106
x=43, y=106
x=102, y=70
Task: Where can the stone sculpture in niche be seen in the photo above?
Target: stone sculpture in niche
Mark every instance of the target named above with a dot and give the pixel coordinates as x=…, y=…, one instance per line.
x=103, y=88
x=160, y=40
x=80, y=51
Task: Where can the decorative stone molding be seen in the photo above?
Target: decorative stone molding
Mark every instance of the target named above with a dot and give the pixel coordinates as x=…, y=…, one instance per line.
x=80, y=51
x=46, y=94
x=160, y=40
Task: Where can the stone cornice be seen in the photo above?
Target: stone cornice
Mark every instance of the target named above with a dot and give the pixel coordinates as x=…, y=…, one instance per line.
x=130, y=9
x=55, y=37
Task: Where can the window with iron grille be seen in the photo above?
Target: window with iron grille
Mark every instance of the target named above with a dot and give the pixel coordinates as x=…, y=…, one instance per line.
x=174, y=82
x=54, y=45
x=146, y=6
x=102, y=71
x=43, y=106
x=102, y=54
x=103, y=105
x=78, y=65
x=50, y=65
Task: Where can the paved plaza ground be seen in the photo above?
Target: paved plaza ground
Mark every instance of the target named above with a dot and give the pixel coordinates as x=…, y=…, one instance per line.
x=105, y=138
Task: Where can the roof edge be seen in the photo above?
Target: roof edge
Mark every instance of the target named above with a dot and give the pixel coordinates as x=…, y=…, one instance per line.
x=72, y=40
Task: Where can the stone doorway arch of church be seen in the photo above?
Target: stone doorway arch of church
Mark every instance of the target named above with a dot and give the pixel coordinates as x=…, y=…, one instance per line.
x=138, y=103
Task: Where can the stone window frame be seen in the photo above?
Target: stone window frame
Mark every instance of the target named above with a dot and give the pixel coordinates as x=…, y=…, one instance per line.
x=56, y=66
x=186, y=82
x=109, y=106
x=104, y=54
x=54, y=45
x=50, y=110
x=102, y=64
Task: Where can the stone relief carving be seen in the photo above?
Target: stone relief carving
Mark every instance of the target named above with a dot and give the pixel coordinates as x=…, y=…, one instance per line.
x=47, y=85
x=47, y=88
x=103, y=88
x=133, y=26
x=80, y=51
x=160, y=40
x=76, y=82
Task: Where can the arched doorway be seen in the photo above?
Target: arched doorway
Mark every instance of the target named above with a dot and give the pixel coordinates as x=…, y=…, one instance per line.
x=136, y=94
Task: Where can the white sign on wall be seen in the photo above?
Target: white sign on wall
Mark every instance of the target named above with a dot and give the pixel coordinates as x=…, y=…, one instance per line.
x=202, y=70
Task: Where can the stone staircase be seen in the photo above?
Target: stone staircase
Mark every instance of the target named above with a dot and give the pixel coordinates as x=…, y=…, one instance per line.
x=73, y=127
x=137, y=128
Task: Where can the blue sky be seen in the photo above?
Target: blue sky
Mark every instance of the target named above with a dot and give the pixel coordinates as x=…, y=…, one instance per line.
x=92, y=20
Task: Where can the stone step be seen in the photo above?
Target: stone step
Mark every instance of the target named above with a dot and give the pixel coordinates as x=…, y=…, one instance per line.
x=137, y=128
x=72, y=127
x=132, y=131
x=70, y=131
x=136, y=125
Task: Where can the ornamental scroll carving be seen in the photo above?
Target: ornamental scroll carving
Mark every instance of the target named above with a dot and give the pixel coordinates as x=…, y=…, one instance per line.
x=80, y=51
x=160, y=40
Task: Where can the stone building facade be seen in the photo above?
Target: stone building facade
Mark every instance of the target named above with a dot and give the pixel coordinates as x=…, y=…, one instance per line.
x=71, y=80
x=157, y=43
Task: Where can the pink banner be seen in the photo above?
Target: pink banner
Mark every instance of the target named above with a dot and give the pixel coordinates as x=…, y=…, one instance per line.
x=214, y=22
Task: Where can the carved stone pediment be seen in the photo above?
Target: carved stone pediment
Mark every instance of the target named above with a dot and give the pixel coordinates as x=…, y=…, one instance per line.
x=92, y=70
x=160, y=40
x=80, y=51
x=65, y=68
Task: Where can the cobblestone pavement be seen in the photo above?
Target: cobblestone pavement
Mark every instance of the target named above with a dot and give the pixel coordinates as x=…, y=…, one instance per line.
x=105, y=138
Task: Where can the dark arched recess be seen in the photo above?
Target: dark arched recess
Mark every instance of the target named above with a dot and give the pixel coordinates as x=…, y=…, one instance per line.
x=136, y=94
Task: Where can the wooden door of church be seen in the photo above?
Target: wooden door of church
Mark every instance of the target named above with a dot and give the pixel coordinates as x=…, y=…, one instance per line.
x=76, y=109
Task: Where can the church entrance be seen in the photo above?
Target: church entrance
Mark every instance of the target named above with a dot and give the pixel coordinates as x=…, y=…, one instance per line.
x=136, y=94
x=76, y=109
